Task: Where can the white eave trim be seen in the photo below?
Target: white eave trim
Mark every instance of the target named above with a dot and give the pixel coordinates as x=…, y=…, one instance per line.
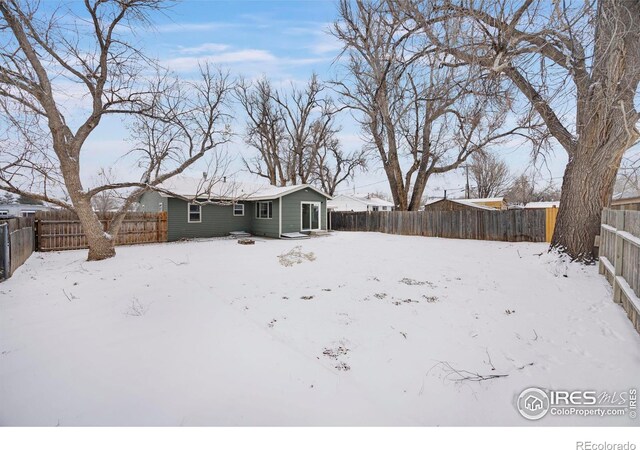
x=251, y=198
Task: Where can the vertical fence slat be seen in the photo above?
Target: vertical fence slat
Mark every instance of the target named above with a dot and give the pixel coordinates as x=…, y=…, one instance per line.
x=620, y=259
x=510, y=225
x=61, y=230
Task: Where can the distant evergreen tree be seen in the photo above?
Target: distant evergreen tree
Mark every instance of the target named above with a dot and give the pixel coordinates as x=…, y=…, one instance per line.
x=7, y=198
x=24, y=200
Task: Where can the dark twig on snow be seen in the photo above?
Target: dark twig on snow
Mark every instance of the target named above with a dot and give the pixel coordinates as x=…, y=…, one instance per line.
x=65, y=294
x=490, y=362
x=460, y=375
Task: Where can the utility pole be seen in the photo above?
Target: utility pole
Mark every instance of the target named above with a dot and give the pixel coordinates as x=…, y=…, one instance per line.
x=466, y=188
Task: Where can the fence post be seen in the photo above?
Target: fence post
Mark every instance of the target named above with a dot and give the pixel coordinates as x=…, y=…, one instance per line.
x=617, y=260
x=603, y=220
x=6, y=250
x=35, y=235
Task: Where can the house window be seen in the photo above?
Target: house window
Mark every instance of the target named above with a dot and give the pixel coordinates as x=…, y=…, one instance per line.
x=264, y=210
x=4, y=213
x=195, y=213
x=238, y=209
x=28, y=213
x=374, y=208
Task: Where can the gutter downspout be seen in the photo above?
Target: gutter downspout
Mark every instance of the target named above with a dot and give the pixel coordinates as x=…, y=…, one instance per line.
x=279, y=217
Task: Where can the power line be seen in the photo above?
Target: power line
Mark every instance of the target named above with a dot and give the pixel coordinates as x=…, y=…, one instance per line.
x=363, y=186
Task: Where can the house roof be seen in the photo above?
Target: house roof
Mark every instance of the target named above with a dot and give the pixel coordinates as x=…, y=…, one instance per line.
x=465, y=202
x=190, y=187
x=541, y=205
x=366, y=199
x=484, y=200
x=625, y=200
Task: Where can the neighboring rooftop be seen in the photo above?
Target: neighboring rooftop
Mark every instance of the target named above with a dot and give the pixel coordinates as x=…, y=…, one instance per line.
x=625, y=200
x=541, y=205
x=466, y=202
x=484, y=200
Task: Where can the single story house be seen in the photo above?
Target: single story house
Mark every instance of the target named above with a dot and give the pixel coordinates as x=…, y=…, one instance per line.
x=359, y=202
x=21, y=209
x=450, y=204
x=197, y=208
x=491, y=202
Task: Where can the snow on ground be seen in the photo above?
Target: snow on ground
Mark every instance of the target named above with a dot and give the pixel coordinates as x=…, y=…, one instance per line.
x=369, y=332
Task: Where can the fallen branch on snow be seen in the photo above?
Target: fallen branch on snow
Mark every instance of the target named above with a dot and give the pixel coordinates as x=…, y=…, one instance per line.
x=295, y=256
x=460, y=375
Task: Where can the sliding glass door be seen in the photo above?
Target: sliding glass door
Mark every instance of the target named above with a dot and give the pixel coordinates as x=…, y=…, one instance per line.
x=310, y=212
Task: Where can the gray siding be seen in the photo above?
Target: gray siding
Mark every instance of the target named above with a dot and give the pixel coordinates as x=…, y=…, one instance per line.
x=265, y=227
x=151, y=201
x=216, y=220
x=291, y=209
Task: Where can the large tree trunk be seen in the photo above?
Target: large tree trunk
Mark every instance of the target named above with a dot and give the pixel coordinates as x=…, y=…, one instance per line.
x=100, y=243
x=606, y=125
x=586, y=190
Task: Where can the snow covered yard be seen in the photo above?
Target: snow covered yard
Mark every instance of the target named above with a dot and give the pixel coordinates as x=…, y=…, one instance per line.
x=376, y=330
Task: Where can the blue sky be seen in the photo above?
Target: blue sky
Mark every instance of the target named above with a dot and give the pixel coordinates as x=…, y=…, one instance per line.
x=284, y=40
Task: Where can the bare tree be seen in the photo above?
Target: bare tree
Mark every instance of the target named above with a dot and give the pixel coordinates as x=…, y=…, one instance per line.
x=421, y=114
x=628, y=179
x=576, y=63
x=525, y=188
x=490, y=174
x=334, y=166
x=307, y=118
x=47, y=60
x=264, y=131
x=295, y=134
x=522, y=190
x=104, y=202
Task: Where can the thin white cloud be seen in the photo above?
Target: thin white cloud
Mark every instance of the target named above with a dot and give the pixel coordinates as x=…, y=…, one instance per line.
x=322, y=41
x=186, y=27
x=209, y=47
x=185, y=64
x=328, y=44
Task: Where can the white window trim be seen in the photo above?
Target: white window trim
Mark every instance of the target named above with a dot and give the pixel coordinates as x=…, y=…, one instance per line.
x=319, y=204
x=26, y=212
x=234, y=209
x=258, y=210
x=4, y=212
x=189, y=213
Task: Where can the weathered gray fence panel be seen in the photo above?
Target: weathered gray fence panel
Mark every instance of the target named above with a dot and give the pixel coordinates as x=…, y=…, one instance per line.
x=511, y=225
x=21, y=244
x=620, y=259
x=17, y=241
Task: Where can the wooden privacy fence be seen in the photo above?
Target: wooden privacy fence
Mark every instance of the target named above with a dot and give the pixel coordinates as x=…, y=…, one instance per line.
x=620, y=259
x=61, y=230
x=510, y=225
x=16, y=244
